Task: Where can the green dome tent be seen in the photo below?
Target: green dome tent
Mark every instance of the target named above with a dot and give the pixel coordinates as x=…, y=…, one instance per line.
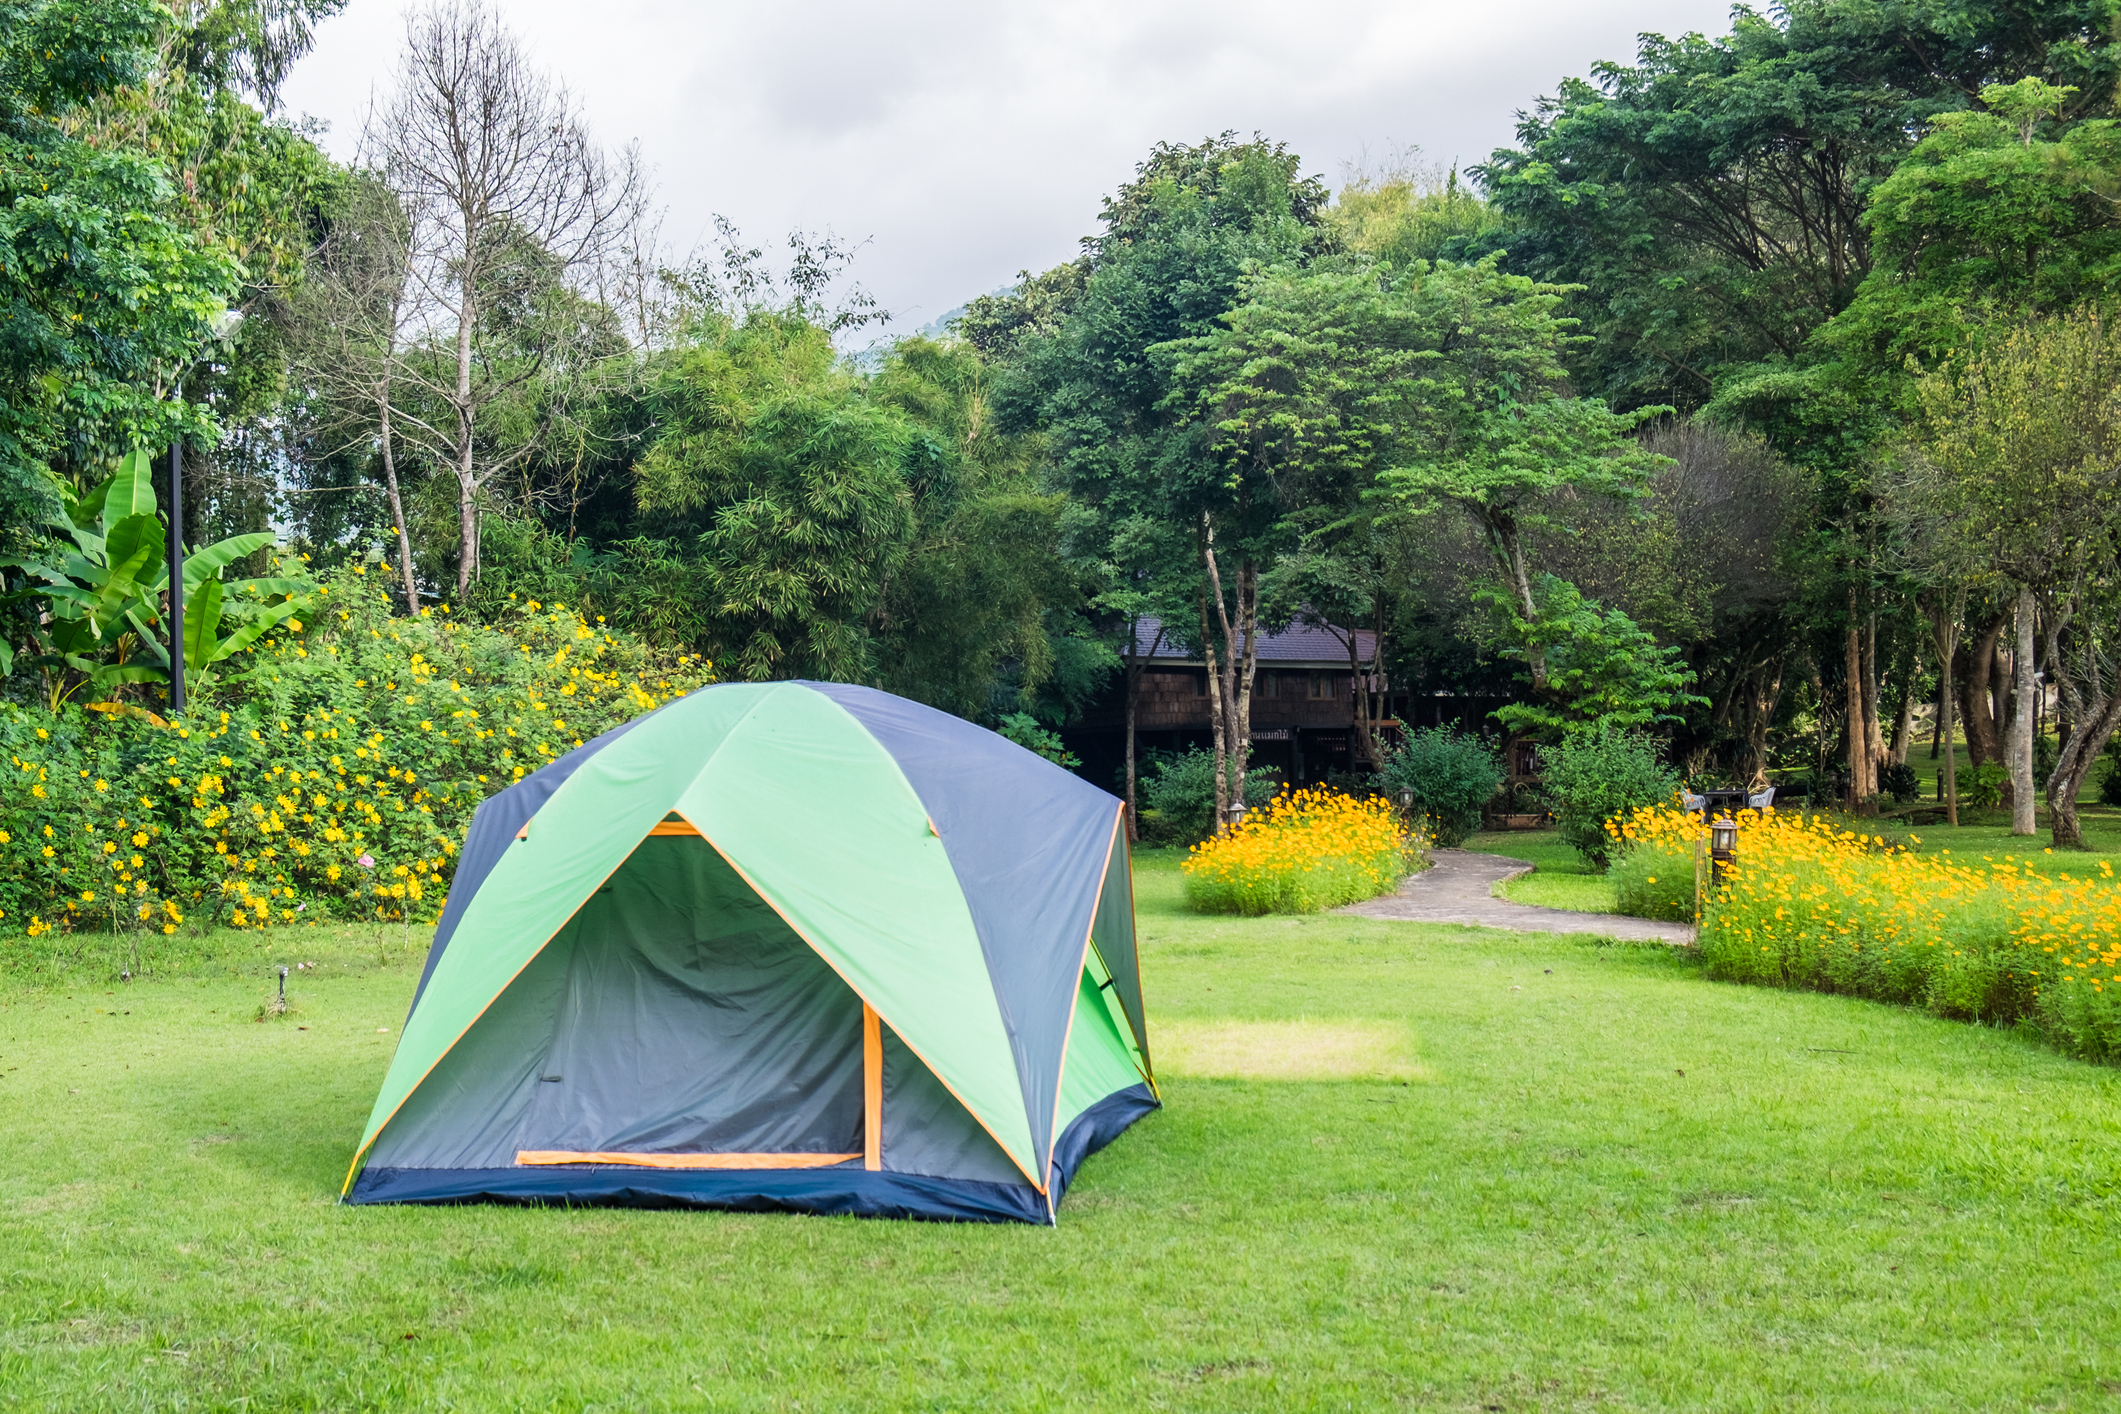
x=799, y=946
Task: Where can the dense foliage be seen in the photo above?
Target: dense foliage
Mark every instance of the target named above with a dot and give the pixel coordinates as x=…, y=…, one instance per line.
x=330, y=774
x=1299, y=853
x=1595, y=776
x=1809, y=902
x=1452, y=776
x=1178, y=797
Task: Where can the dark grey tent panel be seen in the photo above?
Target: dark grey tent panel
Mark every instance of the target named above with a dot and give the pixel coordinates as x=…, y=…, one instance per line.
x=1113, y=937
x=469, y=1112
x=927, y=1132
x=1030, y=846
x=676, y=1013
x=694, y=1020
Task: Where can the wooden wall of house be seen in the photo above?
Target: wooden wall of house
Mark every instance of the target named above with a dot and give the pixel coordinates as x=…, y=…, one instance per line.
x=1173, y=698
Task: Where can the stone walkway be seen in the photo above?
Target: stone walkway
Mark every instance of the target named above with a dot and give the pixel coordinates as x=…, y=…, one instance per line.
x=1458, y=887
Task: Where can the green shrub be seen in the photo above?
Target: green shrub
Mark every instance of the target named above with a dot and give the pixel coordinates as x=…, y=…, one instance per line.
x=2110, y=780
x=1178, y=796
x=1595, y=775
x=1982, y=786
x=330, y=771
x=1654, y=880
x=1898, y=780
x=1452, y=778
x=1024, y=729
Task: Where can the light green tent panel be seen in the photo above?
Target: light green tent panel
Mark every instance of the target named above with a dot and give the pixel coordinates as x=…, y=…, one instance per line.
x=889, y=914
x=1099, y=1059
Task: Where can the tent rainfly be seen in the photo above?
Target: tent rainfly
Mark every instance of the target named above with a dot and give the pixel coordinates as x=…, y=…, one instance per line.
x=800, y=946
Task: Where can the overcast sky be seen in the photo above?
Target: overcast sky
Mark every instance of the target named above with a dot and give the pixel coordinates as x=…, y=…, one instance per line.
x=967, y=140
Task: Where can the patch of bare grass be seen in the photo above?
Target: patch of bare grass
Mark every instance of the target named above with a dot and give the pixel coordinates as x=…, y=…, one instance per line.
x=1286, y=1050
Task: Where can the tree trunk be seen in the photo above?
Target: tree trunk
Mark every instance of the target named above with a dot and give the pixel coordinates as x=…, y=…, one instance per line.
x=1209, y=661
x=1764, y=695
x=1240, y=663
x=1248, y=627
x=1873, y=738
x=2093, y=701
x=1858, y=735
x=1944, y=630
x=2072, y=766
x=467, y=475
x=2001, y=700
x=1977, y=706
x=2022, y=719
x=397, y=511
x=1502, y=527
x=1903, y=719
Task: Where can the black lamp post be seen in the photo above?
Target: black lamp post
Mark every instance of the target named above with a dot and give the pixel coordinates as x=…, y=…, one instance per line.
x=1723, y=844
x=176, y=574
x=225, y=328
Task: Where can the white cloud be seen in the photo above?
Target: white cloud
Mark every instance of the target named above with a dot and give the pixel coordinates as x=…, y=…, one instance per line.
x=967, y=141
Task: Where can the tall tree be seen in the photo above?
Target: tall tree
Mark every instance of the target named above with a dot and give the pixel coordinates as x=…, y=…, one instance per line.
x=353, y=321
x=1492, y=427
x=107, y=292
x=1711, y=196
x=2020, y=463
x=1124, y=438
x=513, y=208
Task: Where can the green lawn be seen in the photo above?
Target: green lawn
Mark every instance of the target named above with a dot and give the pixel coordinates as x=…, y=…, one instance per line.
x=1400, y=1165
x=1559, y=878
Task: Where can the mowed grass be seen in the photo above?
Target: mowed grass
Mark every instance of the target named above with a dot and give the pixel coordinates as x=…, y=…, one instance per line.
x=1559, y=877
x=1399, y=1166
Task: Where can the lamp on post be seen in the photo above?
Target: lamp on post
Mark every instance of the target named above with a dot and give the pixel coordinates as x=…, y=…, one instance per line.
x=1237, y=813
x=1723, y=844
x=1404, y=799
x=225, y=328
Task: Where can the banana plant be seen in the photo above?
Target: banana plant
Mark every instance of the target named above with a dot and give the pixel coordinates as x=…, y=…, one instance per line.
x=99, y=596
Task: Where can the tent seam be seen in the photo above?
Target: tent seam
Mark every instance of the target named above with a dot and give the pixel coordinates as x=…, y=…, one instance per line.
x=1001, y=1008
x=443, y=1054
x=895, y=1028
x=1068, y=1034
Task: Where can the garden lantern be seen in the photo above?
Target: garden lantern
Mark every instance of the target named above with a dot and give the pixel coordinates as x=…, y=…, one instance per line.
x=1404, y=799
x=1723, y=843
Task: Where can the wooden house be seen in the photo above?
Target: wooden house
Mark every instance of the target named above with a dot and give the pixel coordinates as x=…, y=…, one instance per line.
x=1303, y=704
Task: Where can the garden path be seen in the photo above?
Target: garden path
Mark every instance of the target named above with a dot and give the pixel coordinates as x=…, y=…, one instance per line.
x=1458, y=887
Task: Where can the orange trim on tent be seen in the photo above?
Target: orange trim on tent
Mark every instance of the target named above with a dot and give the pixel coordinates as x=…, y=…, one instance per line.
x=1119, y=823
x=939, y=1077
x=353, y=1169
x=872, y=1089
x=542, y=1157
x=674, y=827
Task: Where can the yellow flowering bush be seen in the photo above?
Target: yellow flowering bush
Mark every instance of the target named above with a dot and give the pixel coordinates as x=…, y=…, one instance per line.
x=329, y=771
x=1810, y=902
x=1301, y=852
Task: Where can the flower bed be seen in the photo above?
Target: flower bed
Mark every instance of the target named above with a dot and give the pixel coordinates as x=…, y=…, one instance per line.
x=332, y=774
x=1301, y=852
x=1809, y=902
